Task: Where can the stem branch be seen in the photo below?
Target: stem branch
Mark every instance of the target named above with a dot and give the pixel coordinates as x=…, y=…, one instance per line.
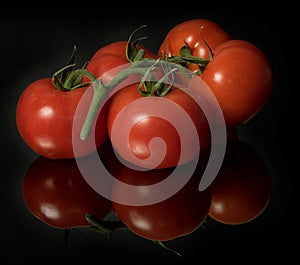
x=101, y=91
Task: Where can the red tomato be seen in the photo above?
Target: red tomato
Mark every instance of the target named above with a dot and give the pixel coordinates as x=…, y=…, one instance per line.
x=56, y=193
x=118, y=48
x=240, y=77
x=45, y=117
x=242, y=189
x=176, y=216
x=107, y=61
x=193, y=33
x=171, y=118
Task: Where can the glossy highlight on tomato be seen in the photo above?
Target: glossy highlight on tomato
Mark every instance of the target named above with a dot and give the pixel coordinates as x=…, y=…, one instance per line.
x=56, y=193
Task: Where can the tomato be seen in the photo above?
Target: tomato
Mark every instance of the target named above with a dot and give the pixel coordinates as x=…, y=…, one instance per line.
x=240, y=77
x=46, y=114
x=119, y=49
x=174, y=217
x=196, y=34
x=56, y=193
x=156, y=132
x=242, y=189
x=106, y=59
x=107, y=62
x=45, y=119
x=237, y=72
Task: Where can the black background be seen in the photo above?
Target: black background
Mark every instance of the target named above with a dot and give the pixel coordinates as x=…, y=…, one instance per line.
x=34, y=46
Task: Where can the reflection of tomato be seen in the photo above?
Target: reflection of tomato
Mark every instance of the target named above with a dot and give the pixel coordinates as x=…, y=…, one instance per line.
x=147, y=126
x=231, y=134
x=242, y=189
x=55, y=192
x=179, y=215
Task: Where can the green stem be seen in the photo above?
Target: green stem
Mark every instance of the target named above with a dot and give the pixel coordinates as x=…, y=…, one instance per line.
x=73, y=80
x=132, y=52
x=101, y=90
x=57, y=81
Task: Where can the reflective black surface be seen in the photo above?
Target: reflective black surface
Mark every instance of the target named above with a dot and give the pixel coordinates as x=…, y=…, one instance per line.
x=32, y=48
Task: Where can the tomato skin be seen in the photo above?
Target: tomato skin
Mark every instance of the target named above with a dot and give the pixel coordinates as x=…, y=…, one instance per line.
x=188, y=32
x=118, y=49
x=148, y=127
x=56, y=193
x=177, y=216
x=45, y=116
x=106, y=59
x=240, y=77
x=242, y=190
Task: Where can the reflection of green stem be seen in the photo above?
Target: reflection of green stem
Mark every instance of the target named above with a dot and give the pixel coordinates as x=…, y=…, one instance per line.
x=101, y=90
x=160, y=243
x=108, y=228
x=102, y=225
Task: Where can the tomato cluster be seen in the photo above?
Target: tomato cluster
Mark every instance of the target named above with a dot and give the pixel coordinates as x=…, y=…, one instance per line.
x=149, y=116
x=237, y=72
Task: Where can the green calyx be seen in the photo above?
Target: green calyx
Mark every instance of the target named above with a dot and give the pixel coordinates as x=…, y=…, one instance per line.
x=133, y=53
x=68, y=78
x=154, y=87
x=186, y=58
